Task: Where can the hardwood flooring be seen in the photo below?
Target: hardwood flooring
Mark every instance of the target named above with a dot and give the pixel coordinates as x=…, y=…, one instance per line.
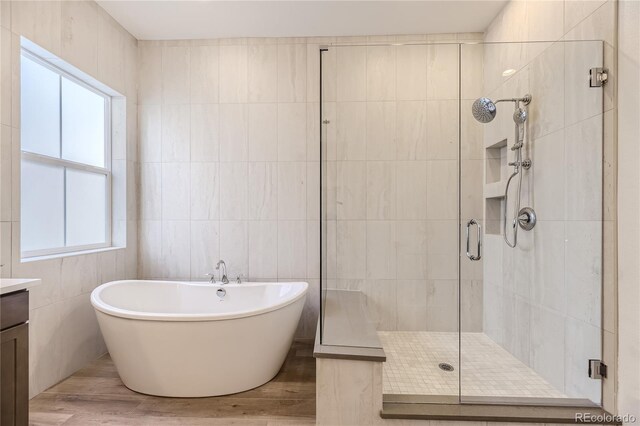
x=95, y=395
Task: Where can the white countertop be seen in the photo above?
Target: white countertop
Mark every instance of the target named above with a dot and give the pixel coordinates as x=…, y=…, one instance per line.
x=9, y=285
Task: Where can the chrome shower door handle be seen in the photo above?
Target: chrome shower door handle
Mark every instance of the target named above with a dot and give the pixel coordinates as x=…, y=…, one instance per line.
x=478, y=254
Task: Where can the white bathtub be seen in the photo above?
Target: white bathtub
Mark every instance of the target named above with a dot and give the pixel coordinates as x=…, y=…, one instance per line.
x=181, y=339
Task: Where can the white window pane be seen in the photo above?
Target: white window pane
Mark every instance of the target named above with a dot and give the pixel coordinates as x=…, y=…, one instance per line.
x=42, y=205
x=82, y=124
x=86, y=208
x=39, y=108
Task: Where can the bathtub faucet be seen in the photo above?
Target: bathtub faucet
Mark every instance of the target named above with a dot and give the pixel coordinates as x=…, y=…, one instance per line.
x=224, y=279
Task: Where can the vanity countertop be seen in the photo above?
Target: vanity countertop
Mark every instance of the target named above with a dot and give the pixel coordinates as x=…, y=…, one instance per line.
x=9, y=285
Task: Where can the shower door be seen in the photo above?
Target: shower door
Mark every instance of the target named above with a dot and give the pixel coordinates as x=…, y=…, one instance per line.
x=531, y=281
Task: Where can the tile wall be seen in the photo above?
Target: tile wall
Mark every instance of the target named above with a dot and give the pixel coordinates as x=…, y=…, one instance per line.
x=543, y=300
x=63, y=331
x=229, y=161
x=392, y=179
x=229, y=151
x=628, y=133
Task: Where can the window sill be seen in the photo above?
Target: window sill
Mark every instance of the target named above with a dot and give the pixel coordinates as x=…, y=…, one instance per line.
x=69, y=254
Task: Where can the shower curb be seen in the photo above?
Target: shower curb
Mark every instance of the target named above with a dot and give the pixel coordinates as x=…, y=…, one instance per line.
x=496, y=413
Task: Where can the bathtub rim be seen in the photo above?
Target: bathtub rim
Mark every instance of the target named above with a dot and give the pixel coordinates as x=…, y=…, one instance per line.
x=107, y=309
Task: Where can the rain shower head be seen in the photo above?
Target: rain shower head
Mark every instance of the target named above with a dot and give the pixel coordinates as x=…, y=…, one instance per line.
x=484, y=110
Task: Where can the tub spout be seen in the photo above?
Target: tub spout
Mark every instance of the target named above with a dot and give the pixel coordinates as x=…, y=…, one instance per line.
x=224, y=279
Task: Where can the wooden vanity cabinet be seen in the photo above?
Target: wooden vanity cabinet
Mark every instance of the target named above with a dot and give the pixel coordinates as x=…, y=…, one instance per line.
x=14, y=359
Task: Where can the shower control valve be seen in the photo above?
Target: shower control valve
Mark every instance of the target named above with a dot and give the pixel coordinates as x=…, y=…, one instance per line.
x=527, y=218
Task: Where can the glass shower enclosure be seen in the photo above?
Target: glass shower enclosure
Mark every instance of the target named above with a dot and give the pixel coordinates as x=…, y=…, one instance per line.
x=462, y=192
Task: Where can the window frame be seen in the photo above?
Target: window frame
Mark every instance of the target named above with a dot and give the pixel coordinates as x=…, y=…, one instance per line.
x=68, y=164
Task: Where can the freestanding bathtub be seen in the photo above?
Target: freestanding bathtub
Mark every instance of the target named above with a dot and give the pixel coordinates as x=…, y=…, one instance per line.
x=184, y=339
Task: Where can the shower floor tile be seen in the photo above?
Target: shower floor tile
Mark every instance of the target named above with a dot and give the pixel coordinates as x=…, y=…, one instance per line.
x=488, y=369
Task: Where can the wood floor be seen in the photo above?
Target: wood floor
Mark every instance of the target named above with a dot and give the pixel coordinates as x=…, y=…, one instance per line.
x=96, y=396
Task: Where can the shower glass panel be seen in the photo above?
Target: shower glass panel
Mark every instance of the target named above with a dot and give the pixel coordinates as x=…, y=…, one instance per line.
x=417, y=220
x=390, y=163
x=531, y=306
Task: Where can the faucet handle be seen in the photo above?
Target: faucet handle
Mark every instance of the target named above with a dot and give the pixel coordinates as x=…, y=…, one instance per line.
x=239, y=279
x=212, y=277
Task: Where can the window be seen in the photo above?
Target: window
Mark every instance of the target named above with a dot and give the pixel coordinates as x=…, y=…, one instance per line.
x=65, y=164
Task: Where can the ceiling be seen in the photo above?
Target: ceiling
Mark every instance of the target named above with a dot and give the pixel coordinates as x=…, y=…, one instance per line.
x=188, y=19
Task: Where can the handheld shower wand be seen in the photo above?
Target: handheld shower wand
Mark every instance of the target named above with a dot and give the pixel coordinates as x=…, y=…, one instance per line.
x=519, y=117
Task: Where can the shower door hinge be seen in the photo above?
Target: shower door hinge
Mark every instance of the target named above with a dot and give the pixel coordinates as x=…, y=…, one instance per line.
x=598, y=77
x=597, y=369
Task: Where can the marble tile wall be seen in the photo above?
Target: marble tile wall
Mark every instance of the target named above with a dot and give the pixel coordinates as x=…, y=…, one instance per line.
x=392, y=174
x=63, y=331
x=544, y=300
x=229, y=152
